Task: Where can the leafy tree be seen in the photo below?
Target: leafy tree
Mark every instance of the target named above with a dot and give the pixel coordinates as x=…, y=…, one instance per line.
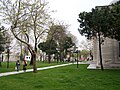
x=57, y=33
x=68, y=43
x=103, y=20
x=57, y=38
x=85, y=53
x=95, y=24
x=2, y=41
x=4, y=38
x=114, y=21
x=49, y=47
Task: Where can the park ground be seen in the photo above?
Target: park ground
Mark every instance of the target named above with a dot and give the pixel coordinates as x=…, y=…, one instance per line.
x=63, y=78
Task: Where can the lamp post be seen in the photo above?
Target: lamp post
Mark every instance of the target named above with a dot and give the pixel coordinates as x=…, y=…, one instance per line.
x=77, y=52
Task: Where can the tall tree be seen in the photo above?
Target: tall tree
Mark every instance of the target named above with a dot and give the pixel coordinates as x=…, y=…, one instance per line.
x=25, y=16
x=103, y=20
x=68, y=43
x=2, y=43
x=2, y=39
x=58, y=33
x=49, y=47
x=73, y=37
x=94, y=24
x=113, y=21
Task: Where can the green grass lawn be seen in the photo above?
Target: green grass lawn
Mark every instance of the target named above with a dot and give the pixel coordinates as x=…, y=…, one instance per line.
x=12, y=65
x=63, y=78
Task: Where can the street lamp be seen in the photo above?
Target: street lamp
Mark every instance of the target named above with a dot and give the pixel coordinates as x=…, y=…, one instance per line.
x=77, y=52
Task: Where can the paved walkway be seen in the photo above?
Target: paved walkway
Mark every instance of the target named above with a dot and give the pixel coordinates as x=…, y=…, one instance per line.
x=30, y=70
x=92, y=65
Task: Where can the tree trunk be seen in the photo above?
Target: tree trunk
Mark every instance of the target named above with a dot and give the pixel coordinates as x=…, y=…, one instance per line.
x=49, y=58
x=33, y=59
x=100, y=52
x=35, y=46
x=60, y=57
x=0, y=64
x=65, y=53
x=34, y=62
x=57, y=57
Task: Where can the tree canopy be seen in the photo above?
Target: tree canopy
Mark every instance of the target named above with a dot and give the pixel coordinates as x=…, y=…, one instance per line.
x=26, y=18
x=102, y=21
x=57, y=39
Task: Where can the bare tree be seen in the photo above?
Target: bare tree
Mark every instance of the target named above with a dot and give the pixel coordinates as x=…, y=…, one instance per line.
x=29, y=18
x=73, y=37
x=86, y=45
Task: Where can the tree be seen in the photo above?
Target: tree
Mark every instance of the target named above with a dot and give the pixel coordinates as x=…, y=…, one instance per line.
x=2, y=38
x=26, y=16
x=114, y=21
x=57, y=33
x=94, y=24
x=103, y=20
x=2, y=42
x=73, y=37
x=49, y=47
x=85, y=53
x=68, y=43
x=86, y=45
x=57, y=39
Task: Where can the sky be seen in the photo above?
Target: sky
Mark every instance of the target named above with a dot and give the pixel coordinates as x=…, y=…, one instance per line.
x=68, y=11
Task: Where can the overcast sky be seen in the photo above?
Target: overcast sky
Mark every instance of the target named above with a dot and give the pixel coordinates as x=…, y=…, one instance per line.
x=68, y=10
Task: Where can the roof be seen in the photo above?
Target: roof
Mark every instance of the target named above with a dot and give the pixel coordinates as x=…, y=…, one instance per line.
x=114, y=1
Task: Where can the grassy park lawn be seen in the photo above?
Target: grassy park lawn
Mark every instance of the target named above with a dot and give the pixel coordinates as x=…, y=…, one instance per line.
x=12, y=65
x=63, y=78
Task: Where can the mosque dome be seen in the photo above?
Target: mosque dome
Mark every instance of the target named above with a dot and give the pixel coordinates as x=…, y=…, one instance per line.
x=114, y=1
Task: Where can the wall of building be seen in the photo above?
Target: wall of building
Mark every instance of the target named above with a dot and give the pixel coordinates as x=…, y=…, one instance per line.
x=110, y=53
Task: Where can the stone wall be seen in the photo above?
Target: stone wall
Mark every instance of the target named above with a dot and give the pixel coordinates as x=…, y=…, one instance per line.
x=110, y=53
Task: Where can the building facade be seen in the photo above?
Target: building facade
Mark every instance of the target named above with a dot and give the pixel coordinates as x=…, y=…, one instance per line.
x=110, y=53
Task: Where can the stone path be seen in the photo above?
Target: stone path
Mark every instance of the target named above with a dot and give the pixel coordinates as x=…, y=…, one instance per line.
x=92, y=66
x=30, y=70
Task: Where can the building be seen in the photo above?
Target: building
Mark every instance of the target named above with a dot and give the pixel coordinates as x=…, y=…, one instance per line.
x=110, y=52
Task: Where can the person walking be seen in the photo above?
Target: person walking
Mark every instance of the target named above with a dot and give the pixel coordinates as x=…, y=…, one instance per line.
x=24, y=65
x=17, y=65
